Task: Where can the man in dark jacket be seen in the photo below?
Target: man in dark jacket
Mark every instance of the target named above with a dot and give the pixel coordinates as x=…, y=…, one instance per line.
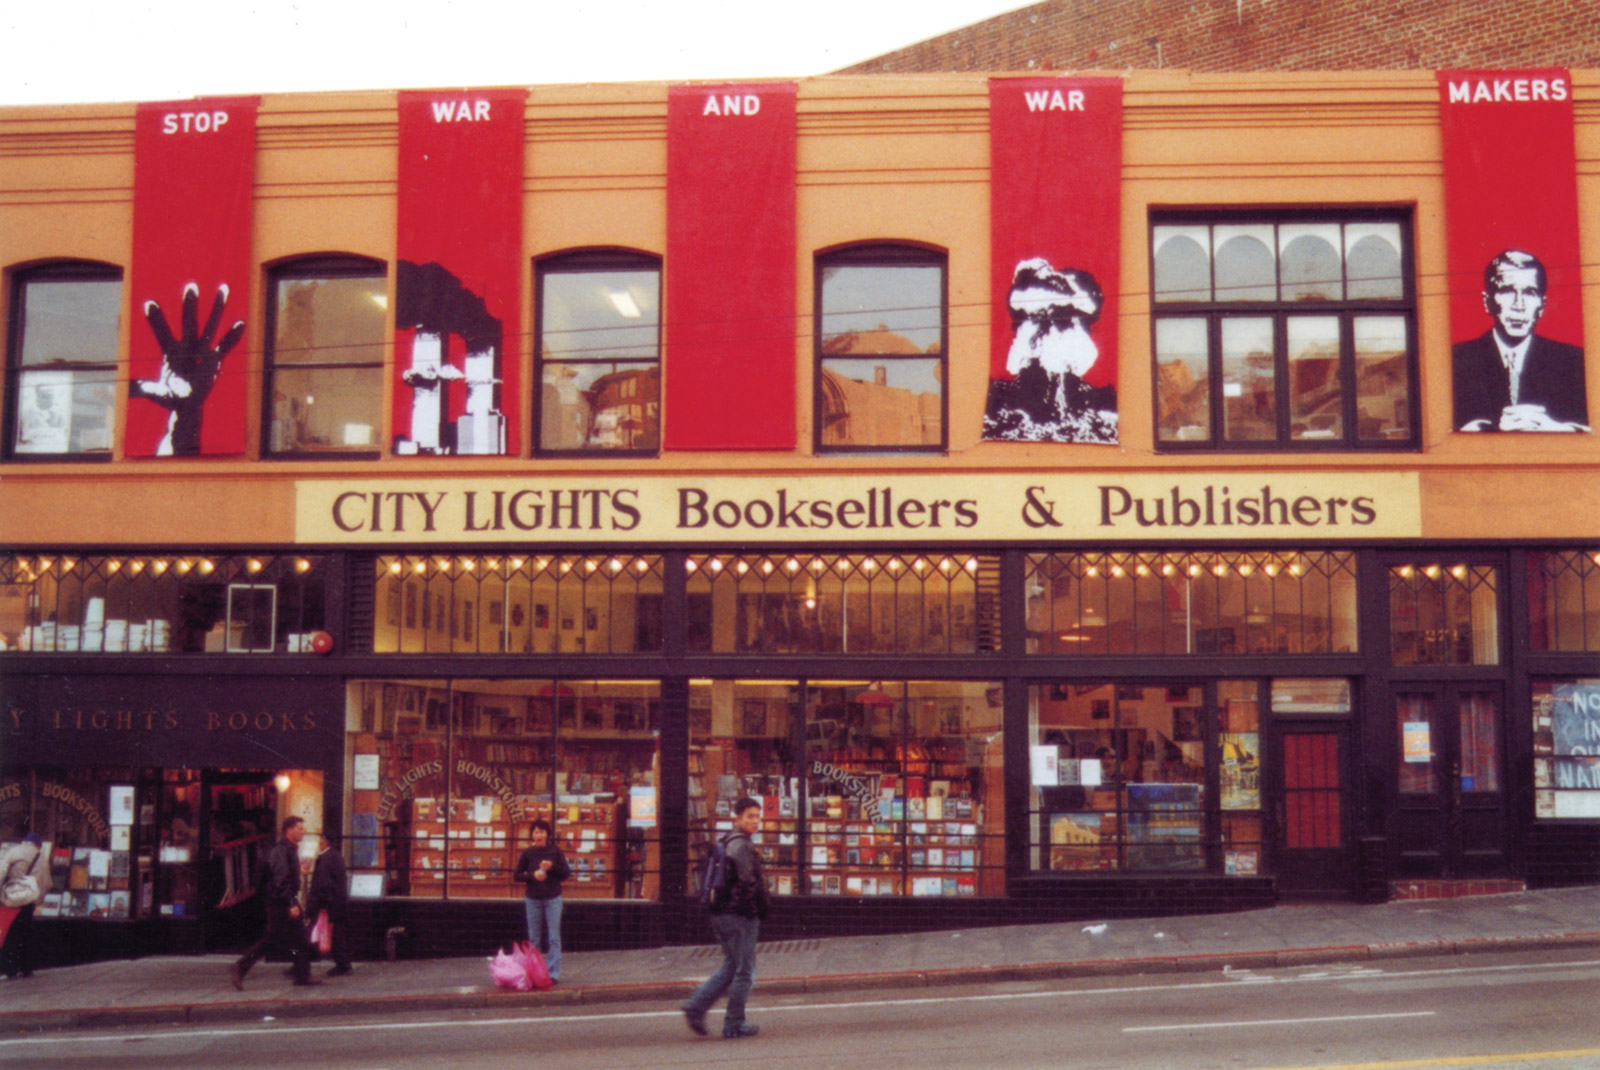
x=736, y=913
x=330, y=891
x=278, y=881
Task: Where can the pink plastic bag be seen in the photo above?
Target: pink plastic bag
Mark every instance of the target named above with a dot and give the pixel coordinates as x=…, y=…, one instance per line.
x=509, y=972
x=532, y=963
x=322, y=933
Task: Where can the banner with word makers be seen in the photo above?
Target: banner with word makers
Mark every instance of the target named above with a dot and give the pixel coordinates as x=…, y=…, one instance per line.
x=1055, y=195
x=457, y=327
x=193, y=183
x=1511, y=212
x=731, y=320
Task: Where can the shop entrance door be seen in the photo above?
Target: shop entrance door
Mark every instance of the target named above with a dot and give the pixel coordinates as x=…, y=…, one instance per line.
x=1311, y=838
x=1451, y=812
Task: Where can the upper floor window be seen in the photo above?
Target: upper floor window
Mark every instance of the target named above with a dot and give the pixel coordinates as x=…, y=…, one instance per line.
x=1284, y=331
x=599, y=353
x=61, y=365
x=324, y=367
x=1444, y=614
x=880, y=342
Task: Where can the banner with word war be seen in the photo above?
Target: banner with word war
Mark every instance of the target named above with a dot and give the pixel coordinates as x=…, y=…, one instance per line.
x=1055, y=227
x=731, y=320
x=1511, y=212
x=193, y=185
x=457, y=322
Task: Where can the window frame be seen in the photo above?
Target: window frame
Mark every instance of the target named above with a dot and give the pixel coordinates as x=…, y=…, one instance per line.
x=588, y=261
x=1346, y=310
x=881, y=254
x=322, y=266
x=55, y=271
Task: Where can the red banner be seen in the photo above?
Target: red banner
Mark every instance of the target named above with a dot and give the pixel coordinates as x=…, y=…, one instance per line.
x=730, y=375
x=1055, y=196
x=457, y=327
x=193, y=181
x=1511, y=211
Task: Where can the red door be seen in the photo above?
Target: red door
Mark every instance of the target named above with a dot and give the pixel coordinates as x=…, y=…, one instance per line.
x=1311, y=843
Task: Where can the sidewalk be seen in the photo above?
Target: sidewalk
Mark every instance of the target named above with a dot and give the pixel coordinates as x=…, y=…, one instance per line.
x=178, y=989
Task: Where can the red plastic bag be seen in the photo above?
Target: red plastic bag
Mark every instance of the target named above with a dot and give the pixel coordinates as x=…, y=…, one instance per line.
x=532, y=964
x=322, y=933
x=509, y=972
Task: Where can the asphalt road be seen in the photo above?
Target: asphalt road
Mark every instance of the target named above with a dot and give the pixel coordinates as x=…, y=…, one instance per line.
x=1530, y=1011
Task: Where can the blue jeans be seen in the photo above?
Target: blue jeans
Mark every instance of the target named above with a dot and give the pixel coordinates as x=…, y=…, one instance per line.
x=737, y=935
x=546, y=914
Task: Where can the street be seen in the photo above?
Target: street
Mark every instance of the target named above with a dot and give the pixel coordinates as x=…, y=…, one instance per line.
x=1529, y=1010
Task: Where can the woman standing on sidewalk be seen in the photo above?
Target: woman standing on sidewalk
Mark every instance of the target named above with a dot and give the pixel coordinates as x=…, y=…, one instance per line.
x=542, y=868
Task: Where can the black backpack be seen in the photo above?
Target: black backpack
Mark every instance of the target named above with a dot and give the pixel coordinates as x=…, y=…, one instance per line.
x=714, y=879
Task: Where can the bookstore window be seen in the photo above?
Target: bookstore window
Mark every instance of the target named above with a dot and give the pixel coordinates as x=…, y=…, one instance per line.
x=446, y=776
x=518, y=603
x=1564, y=600
x=599, y=353
x=937, y=603
x=1118, y=776
x=1566, y=748
x=324, y=361
x=1444, y=614
x=162, y=603
x=1237, y=602
x=61, y=367
x=867, y=787
x=880, y=349
x=1287, y=332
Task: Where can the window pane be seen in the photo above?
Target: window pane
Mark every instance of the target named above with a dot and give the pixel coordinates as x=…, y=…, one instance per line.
x=1182, y=263
x=1418, y=749
x=1311, y=268
x=1479, y=719
x=1383, y=407
x=894, y=310
x=71, y=321
x=330, y=321
x=1183, y=380
x=881, y=402
x=600, y=406
x=1373, y=260
x=1246, y=268
x=326, y=409
x=1315, y=408
x=1249, y=399
x=599, y=315
x=65, y=411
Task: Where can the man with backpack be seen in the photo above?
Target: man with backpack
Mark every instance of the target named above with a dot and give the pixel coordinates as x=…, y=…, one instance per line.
x=738, y=903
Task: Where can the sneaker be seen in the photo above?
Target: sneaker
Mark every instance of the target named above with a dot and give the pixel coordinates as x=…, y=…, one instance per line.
x=696, y=1020
x=743, y=1029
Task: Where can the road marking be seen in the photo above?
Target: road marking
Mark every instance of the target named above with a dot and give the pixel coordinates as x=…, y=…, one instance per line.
x=1274, y=1021
x=1462, y=1060
x=276, y=1028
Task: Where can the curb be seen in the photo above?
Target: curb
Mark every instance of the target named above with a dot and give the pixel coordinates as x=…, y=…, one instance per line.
x=15, y=1022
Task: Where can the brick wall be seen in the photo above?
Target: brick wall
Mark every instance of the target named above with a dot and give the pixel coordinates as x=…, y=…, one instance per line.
x=1246, y=35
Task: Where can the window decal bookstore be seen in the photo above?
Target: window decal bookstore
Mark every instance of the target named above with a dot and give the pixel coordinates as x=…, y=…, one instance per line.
x=403, y=788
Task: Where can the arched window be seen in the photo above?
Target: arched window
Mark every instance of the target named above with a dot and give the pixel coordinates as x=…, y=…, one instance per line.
x=324, y=363
x=61, y=361
x=598, y=316
x=880, y=349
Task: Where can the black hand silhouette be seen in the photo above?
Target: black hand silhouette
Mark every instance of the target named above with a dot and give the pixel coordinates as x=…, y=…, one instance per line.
x=189, y=368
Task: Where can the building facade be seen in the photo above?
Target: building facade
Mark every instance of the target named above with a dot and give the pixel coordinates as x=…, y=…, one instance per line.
x=549, y=455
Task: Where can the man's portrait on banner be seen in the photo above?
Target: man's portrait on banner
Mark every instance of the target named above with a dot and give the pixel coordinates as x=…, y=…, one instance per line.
x=1511, y=378
x=1047, y=399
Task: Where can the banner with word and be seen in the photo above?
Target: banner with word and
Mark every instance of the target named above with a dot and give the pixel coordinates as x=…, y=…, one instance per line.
x=457, y=323
x=731, y=322
x=1511, y=213
x=1055, y=209
x=193, y=189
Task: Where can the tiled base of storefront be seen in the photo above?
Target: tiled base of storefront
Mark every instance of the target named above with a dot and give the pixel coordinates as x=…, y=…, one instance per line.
x=1453, y=889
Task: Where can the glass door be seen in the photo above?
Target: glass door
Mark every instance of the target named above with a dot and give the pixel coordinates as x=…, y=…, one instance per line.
x=1450, y=780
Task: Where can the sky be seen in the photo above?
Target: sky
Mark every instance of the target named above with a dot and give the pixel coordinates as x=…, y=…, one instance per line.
x=88, y=51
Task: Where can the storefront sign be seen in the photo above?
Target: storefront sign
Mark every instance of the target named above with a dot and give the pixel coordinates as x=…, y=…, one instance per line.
x=795, y=510
x=193, y=193
x=1511, y=212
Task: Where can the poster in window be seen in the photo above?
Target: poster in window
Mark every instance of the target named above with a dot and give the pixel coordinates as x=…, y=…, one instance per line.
x=1055, y=217
x=1240, y=772
x=754, y=722
x=193, y=195
x=1416, y=742
x=44, y=412
x=1515, y=267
